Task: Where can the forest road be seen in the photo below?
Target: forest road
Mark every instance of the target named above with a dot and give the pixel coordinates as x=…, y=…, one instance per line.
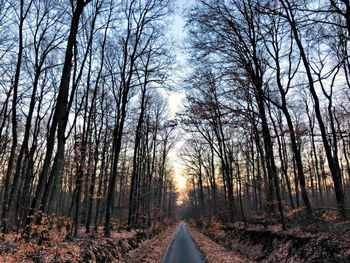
x=182, y=248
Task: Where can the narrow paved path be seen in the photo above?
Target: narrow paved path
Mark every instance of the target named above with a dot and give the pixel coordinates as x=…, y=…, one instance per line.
x=182, y=248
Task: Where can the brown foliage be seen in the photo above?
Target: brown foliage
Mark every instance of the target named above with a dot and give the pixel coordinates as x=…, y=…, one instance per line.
x=212, y=251
x=40, y=243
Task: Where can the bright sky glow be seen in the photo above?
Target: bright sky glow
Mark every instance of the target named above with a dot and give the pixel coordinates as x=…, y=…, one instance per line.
x=175, y=98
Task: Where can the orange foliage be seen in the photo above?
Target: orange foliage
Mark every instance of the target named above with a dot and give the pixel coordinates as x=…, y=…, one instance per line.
x=215, y=228
x=43, y=241
x=294, y=211
x=330, y=215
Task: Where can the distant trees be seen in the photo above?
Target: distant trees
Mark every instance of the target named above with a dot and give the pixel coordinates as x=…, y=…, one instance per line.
x=253, y=61
x=68, y=99
x=141, y=32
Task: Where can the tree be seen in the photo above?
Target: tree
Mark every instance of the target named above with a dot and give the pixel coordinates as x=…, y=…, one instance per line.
x=24, y=10
x=230, y=32
x=139, y=19
x=290, y=16
x=60, y=116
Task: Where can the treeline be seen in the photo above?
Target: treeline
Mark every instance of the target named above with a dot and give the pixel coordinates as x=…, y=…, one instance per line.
x=268, y=107
x=84, y=127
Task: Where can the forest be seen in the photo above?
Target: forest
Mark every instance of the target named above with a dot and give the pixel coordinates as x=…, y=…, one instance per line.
x=87, y=131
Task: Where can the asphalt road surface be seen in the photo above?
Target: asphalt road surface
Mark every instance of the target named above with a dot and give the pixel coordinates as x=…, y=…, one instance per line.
x=183, y=249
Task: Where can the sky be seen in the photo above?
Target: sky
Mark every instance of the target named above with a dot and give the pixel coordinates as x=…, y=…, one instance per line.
x=176, y=98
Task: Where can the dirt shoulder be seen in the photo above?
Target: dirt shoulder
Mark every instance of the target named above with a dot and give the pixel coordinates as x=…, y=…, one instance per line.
x=140, y=245
x=303, y=243
x=152, y=250
x=212, y=251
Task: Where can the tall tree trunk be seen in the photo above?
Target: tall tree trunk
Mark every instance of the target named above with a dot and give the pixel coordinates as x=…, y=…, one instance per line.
x=7, y=203
x=271, y=167
x=332, y=163
x=284, y=165
x=60, y=116
x=132, y=199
